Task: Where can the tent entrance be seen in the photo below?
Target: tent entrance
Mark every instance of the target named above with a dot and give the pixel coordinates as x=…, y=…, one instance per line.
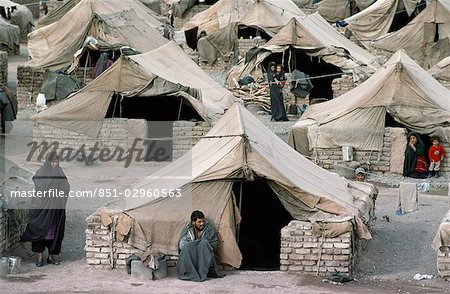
x=262, y=218
x=159, y=108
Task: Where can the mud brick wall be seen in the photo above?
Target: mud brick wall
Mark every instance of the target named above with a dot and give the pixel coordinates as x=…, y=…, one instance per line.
x=4, y=67
x=121, y=132
x=247, y=44
x=33, y=5
x=186, y=134
x=379, y=161
x=178, y=22
x=12, y=223
x=29, y=82
x=342, y=85
x=302, y=251
x=99, y=247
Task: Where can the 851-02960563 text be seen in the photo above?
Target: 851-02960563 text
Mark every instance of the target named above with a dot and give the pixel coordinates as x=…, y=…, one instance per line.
x=138, y=193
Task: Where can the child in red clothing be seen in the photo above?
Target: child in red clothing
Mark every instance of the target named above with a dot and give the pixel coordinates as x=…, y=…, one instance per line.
x=436, y=155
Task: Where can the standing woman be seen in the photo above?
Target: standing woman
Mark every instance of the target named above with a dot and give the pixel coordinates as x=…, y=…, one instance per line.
x=47, y=215
x=276, y=95
x=415, y=165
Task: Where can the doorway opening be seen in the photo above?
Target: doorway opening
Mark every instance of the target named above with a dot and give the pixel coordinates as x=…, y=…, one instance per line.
x=262, y=218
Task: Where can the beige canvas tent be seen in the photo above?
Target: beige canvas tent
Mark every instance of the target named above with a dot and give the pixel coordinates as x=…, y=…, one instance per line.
x=9, y=36
x=316, y=38
x=57, y=13
x=425, y=38
x=400, y=89
x=54, y=45
x=225, y=19
x=162, y=84
x=334, y=10
x=377, y=19
x=240, y=149
x=441, y=70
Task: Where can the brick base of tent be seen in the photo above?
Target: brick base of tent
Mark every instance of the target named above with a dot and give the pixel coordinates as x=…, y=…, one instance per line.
x=301, y=252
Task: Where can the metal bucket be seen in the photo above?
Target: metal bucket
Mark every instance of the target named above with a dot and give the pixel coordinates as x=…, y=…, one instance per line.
x=15, y=263
x=347, y=153
x=4, y=266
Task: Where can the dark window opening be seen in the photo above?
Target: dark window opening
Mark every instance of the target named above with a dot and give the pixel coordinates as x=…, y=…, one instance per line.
x=262, y=218
x=161, y=108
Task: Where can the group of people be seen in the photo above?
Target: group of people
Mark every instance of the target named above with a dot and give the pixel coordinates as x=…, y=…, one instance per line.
x=276, y=79
x=415, y=164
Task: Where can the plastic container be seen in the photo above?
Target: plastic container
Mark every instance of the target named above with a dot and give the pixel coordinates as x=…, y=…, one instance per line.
x=15, y=263
x=347, y=153
x=4, y=266
x=40, y=100
x=161, y=271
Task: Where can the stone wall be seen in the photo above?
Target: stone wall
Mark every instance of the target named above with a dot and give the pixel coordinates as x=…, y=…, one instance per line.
x=29, y=82
x=120, y=132
x=4, y=67
x=303, y=252
x=379, y=161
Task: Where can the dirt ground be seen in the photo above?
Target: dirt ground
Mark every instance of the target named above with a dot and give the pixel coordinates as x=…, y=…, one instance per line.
x=399, y=249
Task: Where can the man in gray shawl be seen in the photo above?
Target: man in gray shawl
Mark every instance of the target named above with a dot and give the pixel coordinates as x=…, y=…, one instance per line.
x=197, y=245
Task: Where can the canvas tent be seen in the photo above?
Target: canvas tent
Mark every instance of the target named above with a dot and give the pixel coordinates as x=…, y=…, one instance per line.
x=239, y=148
x=316, y=38
x=334, y=10
x=223, y=21
x=54, y=45
x=23, y=18
x=57, y=13
x=425, y=38
x=377, y=19
x=441, y=70
x=161, y=84
x=9, y=36
x=400, y=89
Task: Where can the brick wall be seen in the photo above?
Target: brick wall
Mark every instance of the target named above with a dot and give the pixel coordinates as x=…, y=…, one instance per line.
x=4, y=67
x=121, y=132
x=33, y=5
x=380, y=161
x=302, y=251
x=12, y=224
x=186, y=134
x=29, y=82
x=179, y=22
x=99, y=248
x=54, y=4
x=246, y=44
x=342, y=85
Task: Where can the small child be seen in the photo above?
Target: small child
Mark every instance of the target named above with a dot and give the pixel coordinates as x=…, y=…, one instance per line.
x=436, y=155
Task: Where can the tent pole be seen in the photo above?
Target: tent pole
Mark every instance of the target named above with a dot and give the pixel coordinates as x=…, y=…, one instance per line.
x=179, y=109
x=240, y=204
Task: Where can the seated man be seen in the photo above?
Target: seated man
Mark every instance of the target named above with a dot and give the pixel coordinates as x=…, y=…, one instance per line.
x=197, y=246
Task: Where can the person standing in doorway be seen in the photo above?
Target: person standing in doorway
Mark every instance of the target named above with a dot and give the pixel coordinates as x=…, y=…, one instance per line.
x=436, y=155
x=276, y=94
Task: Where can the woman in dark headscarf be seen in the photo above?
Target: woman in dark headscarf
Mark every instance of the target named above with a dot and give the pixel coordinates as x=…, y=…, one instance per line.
x=276, y=95
x=47, y=215
x=415, y=165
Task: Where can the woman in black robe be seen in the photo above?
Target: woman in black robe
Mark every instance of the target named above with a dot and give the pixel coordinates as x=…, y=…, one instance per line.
x=47, y=214
x=415, y=165
x=276, y=95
